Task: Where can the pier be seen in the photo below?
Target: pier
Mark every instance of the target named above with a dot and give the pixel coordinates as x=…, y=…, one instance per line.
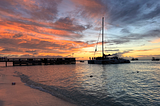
x=38, y=61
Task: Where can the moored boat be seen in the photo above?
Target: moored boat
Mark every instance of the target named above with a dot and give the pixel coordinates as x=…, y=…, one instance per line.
x=134, y=59
x=106, y=59
x=154, y=59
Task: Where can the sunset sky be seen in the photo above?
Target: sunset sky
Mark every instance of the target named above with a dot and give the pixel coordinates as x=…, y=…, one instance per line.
x=71, y=28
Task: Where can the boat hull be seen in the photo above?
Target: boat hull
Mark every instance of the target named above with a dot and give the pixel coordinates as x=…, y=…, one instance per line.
x=108, y=61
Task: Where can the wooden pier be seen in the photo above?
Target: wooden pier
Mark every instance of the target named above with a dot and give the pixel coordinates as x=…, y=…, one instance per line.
x=38, y=61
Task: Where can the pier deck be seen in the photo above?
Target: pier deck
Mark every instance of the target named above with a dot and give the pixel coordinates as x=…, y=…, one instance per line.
x=38, y=61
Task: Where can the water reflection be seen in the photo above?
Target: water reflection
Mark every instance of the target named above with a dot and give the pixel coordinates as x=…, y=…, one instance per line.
x=56, y=75
x=137, y=83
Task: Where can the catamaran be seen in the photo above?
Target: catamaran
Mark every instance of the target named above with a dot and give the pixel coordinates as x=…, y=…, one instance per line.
x=106, y=59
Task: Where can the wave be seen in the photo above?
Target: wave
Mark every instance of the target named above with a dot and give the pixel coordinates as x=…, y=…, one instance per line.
x=72, y=96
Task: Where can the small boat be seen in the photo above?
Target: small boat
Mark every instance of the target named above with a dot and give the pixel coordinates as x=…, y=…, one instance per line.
x=154, y=59
x=81, y=61
x=106, y=59
x=134, y=59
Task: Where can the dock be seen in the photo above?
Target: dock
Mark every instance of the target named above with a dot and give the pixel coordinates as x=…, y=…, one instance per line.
x=38, y=61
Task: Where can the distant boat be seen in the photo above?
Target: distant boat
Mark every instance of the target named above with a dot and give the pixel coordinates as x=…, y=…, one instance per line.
x=81, y=61
x=154, y=59
x=134, y=59
x=106, y=59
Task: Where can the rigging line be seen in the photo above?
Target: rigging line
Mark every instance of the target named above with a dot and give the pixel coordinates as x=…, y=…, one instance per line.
x=97, y=42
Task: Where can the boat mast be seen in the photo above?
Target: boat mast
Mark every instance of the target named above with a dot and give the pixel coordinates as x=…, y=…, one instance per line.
x=102, y=36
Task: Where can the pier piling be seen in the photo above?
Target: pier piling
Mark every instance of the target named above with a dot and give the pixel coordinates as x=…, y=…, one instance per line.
x=6, y=63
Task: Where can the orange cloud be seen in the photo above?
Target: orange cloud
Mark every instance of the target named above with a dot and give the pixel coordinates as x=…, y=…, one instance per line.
x=25, y=31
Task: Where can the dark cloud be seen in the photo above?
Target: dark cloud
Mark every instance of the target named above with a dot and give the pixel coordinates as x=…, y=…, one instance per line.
x=154, y=13
x=39, y=10
x=23, y=22
x=6, y=6
x=125, y=31
x=91, y=42
x=31, y=51
x=10, y=49
x=131, y=37
x=6, y=49
x=27, y=56
x=120, y=41
x=4, y=42
x=128, y=12
x=121, y=53
x=123, y=13
x=152, y=33
x=39, y=45
x=69, y=24
x=44, y=10
x=17, y=35
x=49, y=56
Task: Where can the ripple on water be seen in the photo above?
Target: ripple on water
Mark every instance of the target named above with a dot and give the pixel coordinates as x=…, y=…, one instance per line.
x=112, y=85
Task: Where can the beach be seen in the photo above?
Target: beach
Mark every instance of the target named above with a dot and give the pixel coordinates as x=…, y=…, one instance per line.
x=23, y=95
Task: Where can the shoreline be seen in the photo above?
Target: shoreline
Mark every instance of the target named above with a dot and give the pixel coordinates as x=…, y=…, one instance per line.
x=22, y=95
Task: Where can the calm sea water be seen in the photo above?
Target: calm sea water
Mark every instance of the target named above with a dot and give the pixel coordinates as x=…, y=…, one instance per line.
x=133, y=84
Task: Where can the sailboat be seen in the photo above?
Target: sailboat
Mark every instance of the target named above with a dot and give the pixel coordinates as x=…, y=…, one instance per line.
x=106, y=59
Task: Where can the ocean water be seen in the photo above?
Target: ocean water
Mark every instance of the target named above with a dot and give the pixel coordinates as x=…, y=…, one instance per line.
x=132, y=84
